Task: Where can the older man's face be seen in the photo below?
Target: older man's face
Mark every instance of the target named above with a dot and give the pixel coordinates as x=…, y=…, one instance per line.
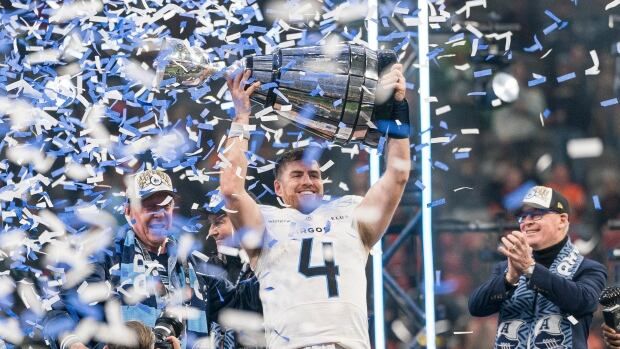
x=153, y=220
x=543, y=228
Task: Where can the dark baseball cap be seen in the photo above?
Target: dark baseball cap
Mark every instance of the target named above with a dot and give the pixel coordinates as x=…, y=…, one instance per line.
x=545, y=198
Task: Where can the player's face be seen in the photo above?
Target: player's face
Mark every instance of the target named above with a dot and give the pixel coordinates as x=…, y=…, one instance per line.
x=543, y=228
x=221, y=229
x=152, y=221
x=300, y=185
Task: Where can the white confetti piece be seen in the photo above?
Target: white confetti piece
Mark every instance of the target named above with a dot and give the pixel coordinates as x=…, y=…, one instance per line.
x=469, y=4
x=10, y=330
x=327, y=165
x=76, y=9
x=442, y=110
x=544, y=162
x=474, y=31
x=462, y=67
x=440, y=140
x=94, y=292
x=579, y=148
x=462, y=188
x=612, y=4
x=594, y=69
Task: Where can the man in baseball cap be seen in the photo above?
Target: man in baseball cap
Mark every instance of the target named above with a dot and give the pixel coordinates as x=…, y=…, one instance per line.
x=546, y=291
x=150, y=209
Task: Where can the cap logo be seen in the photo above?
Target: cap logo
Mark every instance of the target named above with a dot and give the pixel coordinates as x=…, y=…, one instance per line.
x=152, y=178
x=560, y=205
x=539, y=196
x=155, y=180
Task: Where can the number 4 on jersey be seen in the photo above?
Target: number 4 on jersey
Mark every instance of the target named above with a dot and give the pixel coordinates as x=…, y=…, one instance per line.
x=329, y=269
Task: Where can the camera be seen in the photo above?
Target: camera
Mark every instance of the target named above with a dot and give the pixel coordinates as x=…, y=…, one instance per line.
x=166, y=326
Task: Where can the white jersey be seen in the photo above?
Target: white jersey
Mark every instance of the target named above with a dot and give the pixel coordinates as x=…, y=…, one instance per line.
x=312, y=277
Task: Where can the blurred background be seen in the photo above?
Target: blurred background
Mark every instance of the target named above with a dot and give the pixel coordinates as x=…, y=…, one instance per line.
x=95, y=80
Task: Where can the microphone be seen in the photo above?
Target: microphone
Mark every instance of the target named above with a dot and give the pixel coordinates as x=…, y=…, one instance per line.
x=611, y=309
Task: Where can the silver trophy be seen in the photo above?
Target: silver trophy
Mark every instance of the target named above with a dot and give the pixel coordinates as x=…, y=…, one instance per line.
x=332, y=96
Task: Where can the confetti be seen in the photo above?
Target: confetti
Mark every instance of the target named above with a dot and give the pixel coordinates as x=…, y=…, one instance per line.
x=436, y=203
x=481, y=73
x=578, y=148
x=419, y=184
x=597, y=202
x=609, y=102
x=442, y=110
x=566, y=77
x=612, y=4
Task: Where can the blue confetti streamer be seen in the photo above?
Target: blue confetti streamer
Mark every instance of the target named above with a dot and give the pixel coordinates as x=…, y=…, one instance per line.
x=536, y=47
x=440, y=165
x=552, y=16
x=419, y=184
x=550, y=28
x=537, y=81
x=481, y=73
x=597, y=202
x=609, y=102
x=461, y=155
x=362, y=169
x=436, y=203
x=566, y=77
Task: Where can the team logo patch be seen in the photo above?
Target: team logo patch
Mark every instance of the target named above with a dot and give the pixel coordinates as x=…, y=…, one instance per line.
x=155, y=180
x=548, y=333
x=508, y=334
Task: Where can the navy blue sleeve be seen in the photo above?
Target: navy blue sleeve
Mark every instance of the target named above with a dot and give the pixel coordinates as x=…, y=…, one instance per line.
x=248, y=295
x=221, y=293
x=487, y=298
x=578, y=296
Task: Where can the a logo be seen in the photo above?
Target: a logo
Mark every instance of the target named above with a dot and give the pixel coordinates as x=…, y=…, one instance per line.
x=155, y=180
x=508, y=334
x=540, y=196
x=568, y=262
x=548, y=333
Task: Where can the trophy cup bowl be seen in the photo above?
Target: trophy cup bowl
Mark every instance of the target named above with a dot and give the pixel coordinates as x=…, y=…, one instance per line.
x=331, y=96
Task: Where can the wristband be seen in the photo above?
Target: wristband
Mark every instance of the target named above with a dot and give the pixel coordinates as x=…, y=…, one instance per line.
x=395, y=125
x=240, y=130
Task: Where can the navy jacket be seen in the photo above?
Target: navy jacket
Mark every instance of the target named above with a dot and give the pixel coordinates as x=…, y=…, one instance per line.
x=577, y=297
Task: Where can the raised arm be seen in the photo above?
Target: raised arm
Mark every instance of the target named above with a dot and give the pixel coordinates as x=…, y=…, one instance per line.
x=241, y=208
x=378, y=206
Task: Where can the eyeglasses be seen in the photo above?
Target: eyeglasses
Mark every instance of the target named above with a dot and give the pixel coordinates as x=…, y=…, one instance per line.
x=534, y=215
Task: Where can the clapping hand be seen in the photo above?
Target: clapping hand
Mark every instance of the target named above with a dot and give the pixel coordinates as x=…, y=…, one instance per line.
x=519, y=253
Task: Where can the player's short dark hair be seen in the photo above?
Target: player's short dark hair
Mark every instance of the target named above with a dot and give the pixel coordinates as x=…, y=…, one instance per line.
x=288, y=156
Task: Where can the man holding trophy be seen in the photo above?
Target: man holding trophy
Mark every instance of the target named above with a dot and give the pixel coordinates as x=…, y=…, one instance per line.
x=310, y=256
